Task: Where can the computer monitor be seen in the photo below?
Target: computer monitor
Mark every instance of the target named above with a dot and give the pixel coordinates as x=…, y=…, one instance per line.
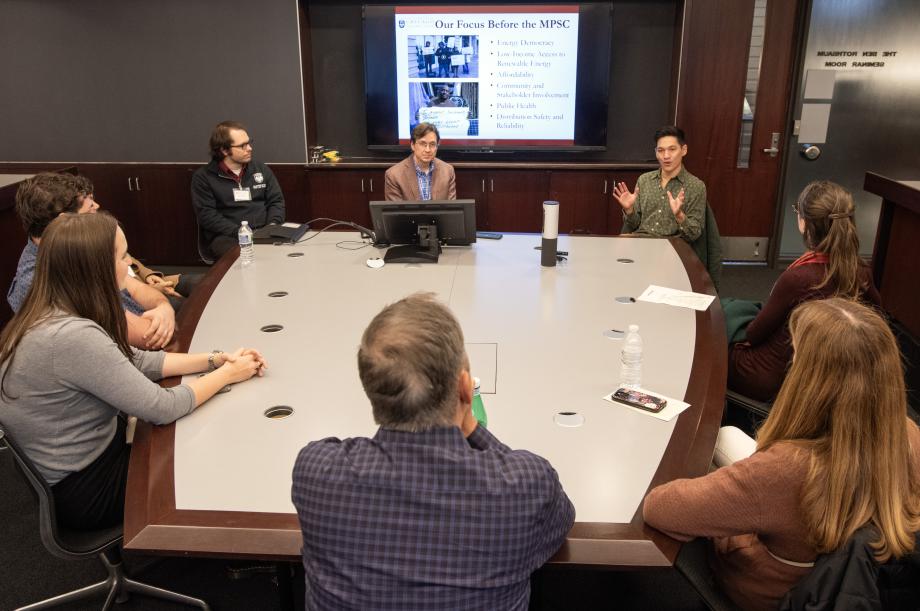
x=416, y=230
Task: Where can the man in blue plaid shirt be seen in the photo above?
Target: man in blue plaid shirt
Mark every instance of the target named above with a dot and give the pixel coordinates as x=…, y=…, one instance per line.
x=433, y=512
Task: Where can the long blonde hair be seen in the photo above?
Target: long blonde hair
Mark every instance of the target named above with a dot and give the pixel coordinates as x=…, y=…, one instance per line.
x=844, y=400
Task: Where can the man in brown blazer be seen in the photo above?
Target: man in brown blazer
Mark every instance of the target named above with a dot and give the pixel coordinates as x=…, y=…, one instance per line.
x=421, y=176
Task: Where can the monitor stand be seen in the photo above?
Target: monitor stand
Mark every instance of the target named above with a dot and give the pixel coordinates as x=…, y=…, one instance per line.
x=426, y=251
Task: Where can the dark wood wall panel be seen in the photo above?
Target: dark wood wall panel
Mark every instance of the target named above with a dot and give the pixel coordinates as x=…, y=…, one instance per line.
x=11, y=243
x=343, y=195
x=895, y=264
x=583, y=201
x=902, y=268
x=292, y=180
x=614, y=210
x=516, y=199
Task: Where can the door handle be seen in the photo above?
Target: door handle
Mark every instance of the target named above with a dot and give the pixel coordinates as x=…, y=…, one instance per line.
x=605, y=186
x=137, y=183
x=773, y=151
x=491, y=185
x=483, y=185
x=362, y=185
x=130, y=188
x=810, y=152
x=372, y=184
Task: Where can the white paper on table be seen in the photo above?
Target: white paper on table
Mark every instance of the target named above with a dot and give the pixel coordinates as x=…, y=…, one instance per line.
x=674, y=297
x=673, y=408
x=291, y=225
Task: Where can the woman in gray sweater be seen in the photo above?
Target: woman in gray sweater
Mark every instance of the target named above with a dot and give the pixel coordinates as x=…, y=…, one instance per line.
x=67, y=371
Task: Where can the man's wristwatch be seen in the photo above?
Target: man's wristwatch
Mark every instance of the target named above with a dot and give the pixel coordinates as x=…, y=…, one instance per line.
x=211, y=364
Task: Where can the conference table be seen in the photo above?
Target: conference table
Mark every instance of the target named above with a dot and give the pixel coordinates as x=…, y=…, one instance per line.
x=543, y=341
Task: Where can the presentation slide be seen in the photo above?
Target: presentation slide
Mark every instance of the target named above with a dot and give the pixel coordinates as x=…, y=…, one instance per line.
x=488, y=75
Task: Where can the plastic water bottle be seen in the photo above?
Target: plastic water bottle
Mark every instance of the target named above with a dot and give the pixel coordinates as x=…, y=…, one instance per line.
x=631, y=359
x=479, y=410
x=246, y=251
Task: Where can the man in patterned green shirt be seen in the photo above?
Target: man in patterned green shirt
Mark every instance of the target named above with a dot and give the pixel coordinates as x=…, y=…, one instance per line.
x=669, y=201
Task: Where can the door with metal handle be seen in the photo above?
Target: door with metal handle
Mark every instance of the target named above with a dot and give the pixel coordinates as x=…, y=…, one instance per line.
x=773, y=151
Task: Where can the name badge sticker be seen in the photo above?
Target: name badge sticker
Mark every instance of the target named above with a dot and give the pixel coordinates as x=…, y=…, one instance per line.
x=242, y=195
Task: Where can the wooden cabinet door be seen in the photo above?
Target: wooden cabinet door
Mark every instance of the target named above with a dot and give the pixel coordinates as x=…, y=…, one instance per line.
x=374, y=186
x=292, y=180
x=154, y=206
x=115, y=191
x=583, y=200
x=614, y=210
x=471, y=184
x=343, y=194
x=164, y=231
x=516, y=199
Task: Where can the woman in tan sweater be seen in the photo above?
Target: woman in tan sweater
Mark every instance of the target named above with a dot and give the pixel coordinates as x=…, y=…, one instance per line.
x=836, y=453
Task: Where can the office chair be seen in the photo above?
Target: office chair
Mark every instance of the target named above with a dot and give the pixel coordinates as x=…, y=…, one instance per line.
x=204, y=252
x=759, y=409
x=708, y=247
x=693, y=564
x=69, y=544
x=744, y=412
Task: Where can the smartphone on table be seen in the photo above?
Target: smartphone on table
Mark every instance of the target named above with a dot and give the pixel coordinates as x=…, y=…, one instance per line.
x=639, y=399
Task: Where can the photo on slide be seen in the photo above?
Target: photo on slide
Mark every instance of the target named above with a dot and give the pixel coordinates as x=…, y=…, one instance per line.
x=453, y=107
x=444, y=56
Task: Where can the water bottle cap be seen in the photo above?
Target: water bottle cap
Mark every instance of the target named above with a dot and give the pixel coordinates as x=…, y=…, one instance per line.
x=246, y=223
x=475, y=383
x=633, y=328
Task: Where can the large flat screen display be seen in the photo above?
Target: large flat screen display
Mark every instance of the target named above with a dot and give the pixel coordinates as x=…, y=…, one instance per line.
x=514, y=76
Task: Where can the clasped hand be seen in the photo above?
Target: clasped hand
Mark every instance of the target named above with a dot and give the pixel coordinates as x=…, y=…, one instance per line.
x=242, y=364
x=166, y=287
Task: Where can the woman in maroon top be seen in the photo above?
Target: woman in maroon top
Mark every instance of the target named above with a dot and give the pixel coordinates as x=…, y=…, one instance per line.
x=830, y=268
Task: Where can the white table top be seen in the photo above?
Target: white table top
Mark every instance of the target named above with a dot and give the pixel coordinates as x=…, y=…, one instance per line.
x=536, y=336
